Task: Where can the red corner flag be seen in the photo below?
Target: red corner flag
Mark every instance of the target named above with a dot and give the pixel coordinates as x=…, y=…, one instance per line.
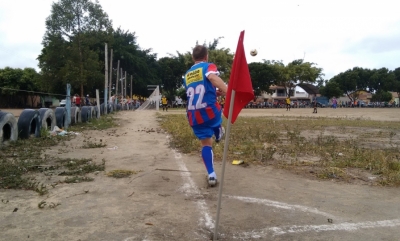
x=240, y=82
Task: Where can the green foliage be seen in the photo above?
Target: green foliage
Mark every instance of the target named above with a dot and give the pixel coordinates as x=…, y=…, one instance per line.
x=10, y=78
x=181, y=92
x=381, y=95
x=140, y=63
x=375, y=80
x=17, y=84
x=331, y=89
x=273, y=72
x=171, y=71
x=73, y=29
x=262, y=77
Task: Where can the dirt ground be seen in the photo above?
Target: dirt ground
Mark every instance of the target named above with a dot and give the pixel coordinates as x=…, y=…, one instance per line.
x=168, y=198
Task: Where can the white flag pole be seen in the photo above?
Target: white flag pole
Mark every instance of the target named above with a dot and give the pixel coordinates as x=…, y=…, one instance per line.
x=228, y=130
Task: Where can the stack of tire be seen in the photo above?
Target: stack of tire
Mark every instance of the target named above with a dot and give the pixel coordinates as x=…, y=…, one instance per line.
x=31, y=122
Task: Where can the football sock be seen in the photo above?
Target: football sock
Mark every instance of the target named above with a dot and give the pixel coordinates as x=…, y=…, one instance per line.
x=208, y=159
x=217, y=132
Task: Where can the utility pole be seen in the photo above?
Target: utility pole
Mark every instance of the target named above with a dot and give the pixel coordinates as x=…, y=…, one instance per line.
x=110, y=78
x=116, y=83
x=106, y=80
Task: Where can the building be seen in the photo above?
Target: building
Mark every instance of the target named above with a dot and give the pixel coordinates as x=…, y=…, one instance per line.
x=278, y=93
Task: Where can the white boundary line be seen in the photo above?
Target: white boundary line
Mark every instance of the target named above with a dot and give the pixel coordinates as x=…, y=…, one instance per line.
x=275, y=231
x=282, y=205
x=190, y=189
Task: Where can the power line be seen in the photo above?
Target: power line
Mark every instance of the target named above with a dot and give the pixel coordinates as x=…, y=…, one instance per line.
x=30, y=91
x=35, y=92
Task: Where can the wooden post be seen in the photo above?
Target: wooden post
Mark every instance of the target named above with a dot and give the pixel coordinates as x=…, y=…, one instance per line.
x=106, y=81
x=131, y=88
x=98, y=103
x=122, y=78
x=125, y=85
x=68, y=106
x=116, y=83
x=110, y=78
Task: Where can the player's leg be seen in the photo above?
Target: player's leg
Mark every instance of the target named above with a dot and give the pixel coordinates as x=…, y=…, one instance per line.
x=205, y=133
x=219, y=132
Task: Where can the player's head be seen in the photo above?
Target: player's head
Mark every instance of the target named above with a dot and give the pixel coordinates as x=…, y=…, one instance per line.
x=200, y=53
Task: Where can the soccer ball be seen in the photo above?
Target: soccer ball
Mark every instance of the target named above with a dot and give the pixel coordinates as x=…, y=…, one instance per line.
x=253, y=52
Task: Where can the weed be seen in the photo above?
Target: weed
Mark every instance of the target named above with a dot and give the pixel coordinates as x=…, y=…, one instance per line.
x=77, y=179
x=90, y=144
x=121, y=173
x=104, y=122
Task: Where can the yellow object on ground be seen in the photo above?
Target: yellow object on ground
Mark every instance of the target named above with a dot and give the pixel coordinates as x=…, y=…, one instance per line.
x=237, y=162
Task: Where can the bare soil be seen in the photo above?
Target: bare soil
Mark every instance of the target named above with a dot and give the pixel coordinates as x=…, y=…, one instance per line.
x=168, y=198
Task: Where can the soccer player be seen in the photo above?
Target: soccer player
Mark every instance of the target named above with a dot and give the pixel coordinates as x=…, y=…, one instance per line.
x=164, y=103
x=315, y=105
x=287, y=103
x=203, y=110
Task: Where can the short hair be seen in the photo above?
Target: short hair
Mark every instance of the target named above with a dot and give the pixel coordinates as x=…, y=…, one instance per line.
x=199, y=52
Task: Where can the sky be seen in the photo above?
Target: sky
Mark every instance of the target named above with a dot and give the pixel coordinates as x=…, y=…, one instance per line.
x=336, y=35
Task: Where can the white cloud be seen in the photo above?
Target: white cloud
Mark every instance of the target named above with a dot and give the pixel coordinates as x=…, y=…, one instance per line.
x=337, y=35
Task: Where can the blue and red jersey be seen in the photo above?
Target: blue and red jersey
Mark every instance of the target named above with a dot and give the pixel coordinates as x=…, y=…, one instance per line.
x=202, y=105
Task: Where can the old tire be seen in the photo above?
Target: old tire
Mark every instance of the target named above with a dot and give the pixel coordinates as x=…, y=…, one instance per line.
x=48, y=118
x=29, y=123
x=102, y=109
x=93, y=113
x=75, y=115
x=85, y=114
x=96, y=111
x=61, y=117
x=110, y=108
x=8, y=128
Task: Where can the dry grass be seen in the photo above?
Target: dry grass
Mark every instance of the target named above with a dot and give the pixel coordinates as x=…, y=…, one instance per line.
x=339, y=148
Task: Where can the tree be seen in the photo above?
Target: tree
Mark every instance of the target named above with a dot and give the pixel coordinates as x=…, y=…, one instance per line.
x=395, y=86
x=262, y=76
x=331, y=89
x=16, y=84
x=140, y=63
x=347, y=82
x=171, y=71
x=379, y=79
x=10, y=80
x=29, y=81
x=72, y=24
x=382, y=95
x=300, y=72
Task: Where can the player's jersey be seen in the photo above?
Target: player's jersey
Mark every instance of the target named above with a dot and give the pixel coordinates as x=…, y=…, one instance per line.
x=164, y=100
x=202, y=104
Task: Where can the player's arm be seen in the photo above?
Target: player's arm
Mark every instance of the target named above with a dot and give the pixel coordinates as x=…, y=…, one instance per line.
x=216, y=81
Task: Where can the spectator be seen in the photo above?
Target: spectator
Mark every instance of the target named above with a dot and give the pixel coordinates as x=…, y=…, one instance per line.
x=78, y=100
x=87, y=100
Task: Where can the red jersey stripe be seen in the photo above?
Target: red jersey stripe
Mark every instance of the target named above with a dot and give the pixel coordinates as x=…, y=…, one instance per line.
x=210, y=113
x=198, y=117
x=190, y=118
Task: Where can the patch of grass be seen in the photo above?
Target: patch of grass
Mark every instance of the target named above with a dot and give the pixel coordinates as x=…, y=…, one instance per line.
x=80, y=166
x=89, y=144
x=22, y=157
x=103, y=123
x=121, y=173
x=77, y=179
x=292, y=142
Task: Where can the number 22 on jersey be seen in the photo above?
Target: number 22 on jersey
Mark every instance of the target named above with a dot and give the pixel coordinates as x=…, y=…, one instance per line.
x=199, y=91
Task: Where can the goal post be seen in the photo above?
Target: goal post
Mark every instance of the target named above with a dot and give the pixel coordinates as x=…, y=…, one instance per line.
x=153, y=101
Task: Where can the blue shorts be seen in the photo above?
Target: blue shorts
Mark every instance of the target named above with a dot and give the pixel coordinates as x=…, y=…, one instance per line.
x=207, y=129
